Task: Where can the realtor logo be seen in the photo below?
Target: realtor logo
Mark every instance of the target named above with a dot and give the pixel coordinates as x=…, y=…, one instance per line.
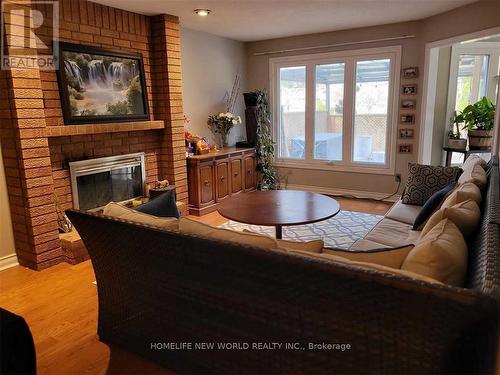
x=29, y=31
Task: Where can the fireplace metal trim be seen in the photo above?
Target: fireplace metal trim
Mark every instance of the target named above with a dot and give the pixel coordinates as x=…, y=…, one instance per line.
x=97, y=165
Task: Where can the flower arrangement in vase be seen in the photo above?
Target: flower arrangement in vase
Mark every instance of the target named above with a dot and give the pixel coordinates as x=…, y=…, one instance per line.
x=221, y=125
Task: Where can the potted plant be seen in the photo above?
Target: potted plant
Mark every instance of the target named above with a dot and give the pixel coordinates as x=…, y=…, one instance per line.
x=264, y=143
x=221, y=125
x=454, y=140
x=478, y=119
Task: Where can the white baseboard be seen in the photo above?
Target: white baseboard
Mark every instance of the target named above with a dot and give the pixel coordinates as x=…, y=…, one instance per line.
x=8, y=261
x=346, y=192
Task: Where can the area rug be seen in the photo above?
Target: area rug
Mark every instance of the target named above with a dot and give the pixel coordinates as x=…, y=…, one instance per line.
x=340, y=231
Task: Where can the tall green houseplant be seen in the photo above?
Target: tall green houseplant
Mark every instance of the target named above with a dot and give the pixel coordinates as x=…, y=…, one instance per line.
x=265, y=144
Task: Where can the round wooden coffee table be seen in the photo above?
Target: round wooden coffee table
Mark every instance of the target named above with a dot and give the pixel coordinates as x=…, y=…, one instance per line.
x=279, y=208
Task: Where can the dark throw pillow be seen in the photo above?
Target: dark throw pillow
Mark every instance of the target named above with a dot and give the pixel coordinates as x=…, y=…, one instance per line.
x=163, y=205
x=425, y=180
x=432, y=204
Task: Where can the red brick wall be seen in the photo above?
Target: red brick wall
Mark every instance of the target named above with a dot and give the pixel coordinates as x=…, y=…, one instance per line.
x=83, y=22
x=167, y=99
x=30, y=102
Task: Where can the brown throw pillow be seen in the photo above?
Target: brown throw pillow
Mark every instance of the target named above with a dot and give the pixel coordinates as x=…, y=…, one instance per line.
x=425, y=180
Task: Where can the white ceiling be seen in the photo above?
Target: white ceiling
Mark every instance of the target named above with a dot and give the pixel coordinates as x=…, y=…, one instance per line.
x=250, y=20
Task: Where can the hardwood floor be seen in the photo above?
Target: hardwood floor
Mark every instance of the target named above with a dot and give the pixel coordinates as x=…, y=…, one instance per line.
x=60, y=307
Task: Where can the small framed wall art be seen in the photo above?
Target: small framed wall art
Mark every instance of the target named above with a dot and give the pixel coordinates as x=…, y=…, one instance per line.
x=409, y=89
x=411, y=72
x=408, y=104
x=406, y=133
x=407, y=119
x=405, y=148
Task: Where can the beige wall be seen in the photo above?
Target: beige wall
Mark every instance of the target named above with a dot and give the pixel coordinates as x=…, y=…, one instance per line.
x=7, y=249
x=209, y=66
x=475, y=17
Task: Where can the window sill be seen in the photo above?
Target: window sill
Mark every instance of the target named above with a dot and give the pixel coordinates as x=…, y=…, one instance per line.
x=326, y=166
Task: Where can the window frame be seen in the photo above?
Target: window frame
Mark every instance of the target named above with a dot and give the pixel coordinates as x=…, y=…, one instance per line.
x=349, y=58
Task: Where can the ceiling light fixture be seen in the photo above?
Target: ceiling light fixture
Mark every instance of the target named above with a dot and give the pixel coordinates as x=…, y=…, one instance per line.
x=202, y=12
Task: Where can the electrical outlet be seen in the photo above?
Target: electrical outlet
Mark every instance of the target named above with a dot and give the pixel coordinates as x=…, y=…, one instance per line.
x=397, y=177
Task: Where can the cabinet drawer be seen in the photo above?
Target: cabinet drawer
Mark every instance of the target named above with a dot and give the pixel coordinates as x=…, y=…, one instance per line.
x=250, y=178
x=206, y=184
x=222, y=179
x=236, y=176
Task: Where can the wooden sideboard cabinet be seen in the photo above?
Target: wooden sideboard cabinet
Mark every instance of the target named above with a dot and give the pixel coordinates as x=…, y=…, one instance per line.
x=216, y=176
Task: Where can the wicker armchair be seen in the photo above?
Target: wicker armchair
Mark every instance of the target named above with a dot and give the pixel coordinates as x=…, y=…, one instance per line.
x=157, y=287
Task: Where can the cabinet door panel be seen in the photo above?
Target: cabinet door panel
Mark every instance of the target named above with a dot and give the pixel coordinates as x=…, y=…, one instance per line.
x=222, y=169
x=250, y=180
x=206, y=182
x=236, y=176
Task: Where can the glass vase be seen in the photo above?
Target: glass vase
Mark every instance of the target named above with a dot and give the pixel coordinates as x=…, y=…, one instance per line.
x=223, y=140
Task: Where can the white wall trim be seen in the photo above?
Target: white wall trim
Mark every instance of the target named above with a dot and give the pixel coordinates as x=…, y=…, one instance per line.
x=8, y=261
x=346, y=192
x=429, y=101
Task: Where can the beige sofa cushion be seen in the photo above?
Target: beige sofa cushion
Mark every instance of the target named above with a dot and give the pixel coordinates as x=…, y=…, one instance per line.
x=465, y=215
x=473, y=160
x=389, y=257
x=441, y=254
x=393, y=233
x=366, y=265
x=405, y=213
x=461, y=193
x=117, y=210
x=474, y=173
x=364, y=244
x=195, y=227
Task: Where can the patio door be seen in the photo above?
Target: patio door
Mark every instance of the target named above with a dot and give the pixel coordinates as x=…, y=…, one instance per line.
x=474, y=71
x=336, y=110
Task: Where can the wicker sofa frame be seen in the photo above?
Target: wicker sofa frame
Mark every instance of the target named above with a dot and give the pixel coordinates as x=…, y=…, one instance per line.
x=158, y=287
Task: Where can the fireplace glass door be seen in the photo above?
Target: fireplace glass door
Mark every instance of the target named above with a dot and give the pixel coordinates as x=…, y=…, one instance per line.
x=98, y=189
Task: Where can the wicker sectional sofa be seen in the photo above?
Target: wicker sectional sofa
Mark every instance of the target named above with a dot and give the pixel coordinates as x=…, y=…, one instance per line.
x=161, y=293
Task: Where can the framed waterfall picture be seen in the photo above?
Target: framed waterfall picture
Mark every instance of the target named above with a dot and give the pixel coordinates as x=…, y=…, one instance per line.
x=99, y=85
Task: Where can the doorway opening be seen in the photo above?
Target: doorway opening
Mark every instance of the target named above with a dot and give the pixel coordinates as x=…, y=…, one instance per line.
x=459, y=72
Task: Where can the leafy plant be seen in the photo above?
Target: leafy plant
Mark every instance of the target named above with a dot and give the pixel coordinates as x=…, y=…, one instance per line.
x=265, y=144
x=477, y=116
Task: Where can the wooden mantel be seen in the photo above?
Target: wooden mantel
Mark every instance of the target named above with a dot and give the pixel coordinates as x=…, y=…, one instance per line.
x=62, y=131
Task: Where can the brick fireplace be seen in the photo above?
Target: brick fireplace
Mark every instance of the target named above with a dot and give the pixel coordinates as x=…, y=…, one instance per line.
x=36, y=144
